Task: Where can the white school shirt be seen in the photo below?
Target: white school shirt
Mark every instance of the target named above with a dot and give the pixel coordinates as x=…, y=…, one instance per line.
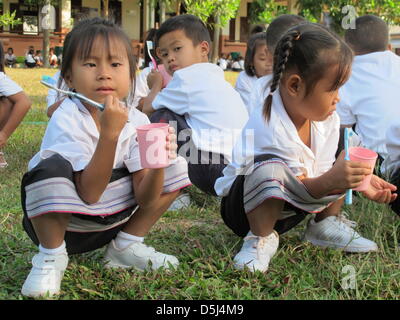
x=279, y=137
x=259, y=92
x=211, y=106
x=7, y=86
x=72, y=133
x=142, y=90
x=392, y=162
x=223, y=64
x=244, y=85
x=371, y=98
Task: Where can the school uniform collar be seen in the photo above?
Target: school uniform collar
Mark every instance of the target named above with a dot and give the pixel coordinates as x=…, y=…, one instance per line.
x=318, y=128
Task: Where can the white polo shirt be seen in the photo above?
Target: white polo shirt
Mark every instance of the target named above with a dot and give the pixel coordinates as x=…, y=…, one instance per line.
x=371, y=98
x=279, y=137
x=72, y=133
x=211, y=106
x=244, y=85
x=7, y=86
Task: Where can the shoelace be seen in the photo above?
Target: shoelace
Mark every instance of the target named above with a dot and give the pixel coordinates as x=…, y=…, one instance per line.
x=261, y=241
x=343, y=217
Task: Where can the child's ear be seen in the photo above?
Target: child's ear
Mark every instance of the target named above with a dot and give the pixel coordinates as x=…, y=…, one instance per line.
x=294, y=85
x=205, y=48
x=68, y=80
x=158, y=52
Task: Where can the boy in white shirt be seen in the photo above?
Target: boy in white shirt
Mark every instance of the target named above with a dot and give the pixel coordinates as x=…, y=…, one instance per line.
x=370, y=98
x=208, y=112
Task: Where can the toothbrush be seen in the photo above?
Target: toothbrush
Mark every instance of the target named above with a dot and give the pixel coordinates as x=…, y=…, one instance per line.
x=150, y=47
x=50, y=83
x=349, y=194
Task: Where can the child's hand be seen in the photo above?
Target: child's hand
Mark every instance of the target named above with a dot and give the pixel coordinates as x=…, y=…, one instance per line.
x=347, y=174
x=171, y=144
x=3, y=139
x=113, y=118
x=155, y=79
x=380, y=190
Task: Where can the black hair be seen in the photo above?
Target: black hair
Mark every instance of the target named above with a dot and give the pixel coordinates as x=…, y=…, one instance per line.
x=309, y=50
x=1, y=57
x=193, y=27
x=256, y=40
x=258, y=28
x=151, y=36
x=79, y=43
x=10, y=49
x=370, y=35
x=278, y=28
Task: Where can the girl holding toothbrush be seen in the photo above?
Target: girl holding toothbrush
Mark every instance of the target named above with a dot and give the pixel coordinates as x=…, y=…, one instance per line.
x=86, y=187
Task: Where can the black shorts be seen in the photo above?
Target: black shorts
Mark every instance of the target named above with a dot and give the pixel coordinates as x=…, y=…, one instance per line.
x=203, y=172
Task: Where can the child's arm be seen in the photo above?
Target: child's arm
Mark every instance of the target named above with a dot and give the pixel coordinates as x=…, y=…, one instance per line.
x=155, y=82
x=342, y=176
x=93, y=180
x=21, y=105
x=148, y=183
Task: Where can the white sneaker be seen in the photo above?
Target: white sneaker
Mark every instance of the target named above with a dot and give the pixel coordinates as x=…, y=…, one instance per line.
x=256, y=252
x=46, y=275
x=337, y=232
x=181, y=201
x=138, y=256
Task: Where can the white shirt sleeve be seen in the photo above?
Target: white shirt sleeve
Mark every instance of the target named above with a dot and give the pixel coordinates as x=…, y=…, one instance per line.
x=7, y=86
x=244, y=88
x=175, y=97
x=141, y=88
x=343, y=109
x=66, y=137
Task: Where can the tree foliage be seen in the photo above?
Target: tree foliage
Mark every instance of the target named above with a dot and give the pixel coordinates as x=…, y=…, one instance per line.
x=8, y=19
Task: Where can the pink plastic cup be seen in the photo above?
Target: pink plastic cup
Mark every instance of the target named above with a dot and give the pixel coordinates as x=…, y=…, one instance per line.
x=367, y=156
x=152, y=140
x=166, y=76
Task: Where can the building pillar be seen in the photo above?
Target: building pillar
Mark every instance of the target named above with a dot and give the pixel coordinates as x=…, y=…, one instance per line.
x=66, y=23
x=6, y=8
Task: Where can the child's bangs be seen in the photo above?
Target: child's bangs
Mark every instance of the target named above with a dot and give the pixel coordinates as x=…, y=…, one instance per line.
x=89, y=43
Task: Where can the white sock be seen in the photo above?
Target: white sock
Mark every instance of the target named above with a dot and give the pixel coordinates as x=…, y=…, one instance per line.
x=124, y=240
x=55, y=251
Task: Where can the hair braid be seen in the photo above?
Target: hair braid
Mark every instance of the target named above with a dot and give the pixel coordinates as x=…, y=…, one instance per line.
x=281, y=56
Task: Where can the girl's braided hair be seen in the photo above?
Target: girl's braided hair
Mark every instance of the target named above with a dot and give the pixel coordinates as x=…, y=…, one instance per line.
x=309, y=50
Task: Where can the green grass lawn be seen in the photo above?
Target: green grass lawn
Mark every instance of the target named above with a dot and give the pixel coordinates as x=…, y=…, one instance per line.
x=199, y=239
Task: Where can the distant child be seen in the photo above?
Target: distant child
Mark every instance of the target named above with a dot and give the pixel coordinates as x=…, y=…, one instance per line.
x=30, y=62
x=275, y=31
x=370, y=100
x=236, y=67
x=291, y=165
x=38, y=58
x=207, y=111
x=222, y=62
x=14, y=104
x=142, y=90
x=10, y=58
x=258, y=63
x=53, y=60
x=86, y=187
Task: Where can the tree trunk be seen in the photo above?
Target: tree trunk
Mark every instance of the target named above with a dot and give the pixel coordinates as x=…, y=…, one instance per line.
x=46, y=38
x=162, y=11
x=215, y=46
x=46, y=48
x=104, y=12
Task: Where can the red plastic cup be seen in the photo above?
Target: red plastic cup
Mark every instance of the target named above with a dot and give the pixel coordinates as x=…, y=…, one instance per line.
x=152, y=140
x=367, y=156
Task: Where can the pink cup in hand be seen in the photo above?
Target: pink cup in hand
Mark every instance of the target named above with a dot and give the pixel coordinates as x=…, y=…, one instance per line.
x=367, y=156
x=152, y=140
x=165, y=75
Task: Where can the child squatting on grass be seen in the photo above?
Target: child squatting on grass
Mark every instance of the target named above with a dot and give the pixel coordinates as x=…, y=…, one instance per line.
x=14, y=105
x=296, y=135
x=86, y=185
